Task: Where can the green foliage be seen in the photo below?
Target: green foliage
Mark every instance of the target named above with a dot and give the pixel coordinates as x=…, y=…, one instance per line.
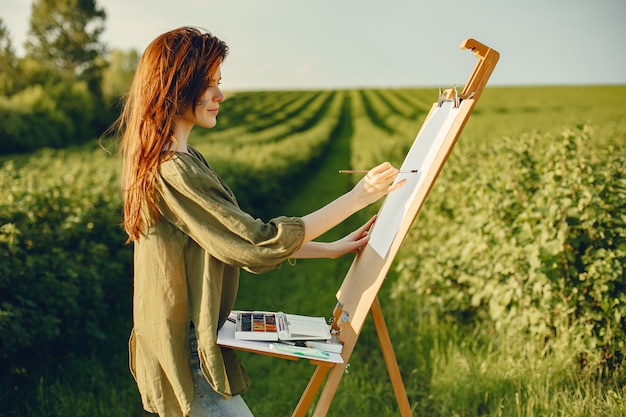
x=65, y=34
x=30, y=120
x=61, y=254
x=266, y=161
x=80, y=106
x=535, y=242
x=118, y=75
x=56, y=117
x=53, y=96
x=8, y=62
x=511, y=279
x=96, y=389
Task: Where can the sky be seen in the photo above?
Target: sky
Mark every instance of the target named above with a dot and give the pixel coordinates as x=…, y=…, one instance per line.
x=331, y=44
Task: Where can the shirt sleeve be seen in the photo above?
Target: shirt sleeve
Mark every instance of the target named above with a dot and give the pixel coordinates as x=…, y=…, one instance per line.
x=195, y=200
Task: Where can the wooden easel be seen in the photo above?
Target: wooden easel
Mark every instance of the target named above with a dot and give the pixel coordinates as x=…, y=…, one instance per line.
x=357, y=295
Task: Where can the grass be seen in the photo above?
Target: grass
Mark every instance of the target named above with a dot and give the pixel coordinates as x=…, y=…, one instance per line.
x=449, y=368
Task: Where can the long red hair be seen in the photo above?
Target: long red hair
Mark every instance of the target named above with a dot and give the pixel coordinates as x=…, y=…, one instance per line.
x=173, y=73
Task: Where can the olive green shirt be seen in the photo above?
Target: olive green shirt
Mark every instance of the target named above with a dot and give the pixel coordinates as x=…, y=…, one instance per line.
x=186, y=269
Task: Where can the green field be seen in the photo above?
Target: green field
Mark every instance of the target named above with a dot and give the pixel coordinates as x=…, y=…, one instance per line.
x=507, y=298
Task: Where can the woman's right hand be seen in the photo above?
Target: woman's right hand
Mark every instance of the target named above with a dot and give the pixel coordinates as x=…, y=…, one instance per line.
x=377, y=183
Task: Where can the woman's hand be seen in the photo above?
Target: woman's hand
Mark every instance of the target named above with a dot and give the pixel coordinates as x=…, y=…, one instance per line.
x=376, y=184
x=352, y=242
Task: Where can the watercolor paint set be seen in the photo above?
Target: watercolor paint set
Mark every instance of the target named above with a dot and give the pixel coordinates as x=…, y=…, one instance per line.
x=273, y=326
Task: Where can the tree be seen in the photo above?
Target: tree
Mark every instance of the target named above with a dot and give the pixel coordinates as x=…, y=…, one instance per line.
x=65, y=35
x=8, y=62
x=67, y=56
x=119, y=73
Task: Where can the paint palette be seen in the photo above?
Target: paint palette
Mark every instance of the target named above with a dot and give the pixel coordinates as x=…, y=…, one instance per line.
x=269, y=326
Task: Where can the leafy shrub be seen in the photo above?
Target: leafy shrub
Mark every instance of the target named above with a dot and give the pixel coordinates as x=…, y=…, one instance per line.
x=36, y=118
x=64, y=267
x=261, y=165
x=534, y=239
x=30, y=120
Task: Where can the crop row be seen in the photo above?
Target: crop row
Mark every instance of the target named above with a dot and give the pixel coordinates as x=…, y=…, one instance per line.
x=518, y=213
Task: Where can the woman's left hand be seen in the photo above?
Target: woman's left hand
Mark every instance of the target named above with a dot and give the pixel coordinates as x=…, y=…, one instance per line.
x=354, y=241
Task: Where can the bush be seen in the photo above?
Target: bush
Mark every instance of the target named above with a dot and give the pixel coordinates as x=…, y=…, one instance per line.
x=30, y=120
x=534, y=242
x=36, y=118
x=64, y=267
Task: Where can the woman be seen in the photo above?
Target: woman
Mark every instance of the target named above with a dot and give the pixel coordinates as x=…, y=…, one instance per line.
x=190, y=236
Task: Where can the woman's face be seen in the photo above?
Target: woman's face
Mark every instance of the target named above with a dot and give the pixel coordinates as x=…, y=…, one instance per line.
x=207, y=108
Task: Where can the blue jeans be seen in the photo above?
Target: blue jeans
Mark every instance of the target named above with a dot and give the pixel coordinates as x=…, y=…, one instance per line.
x=208, y=403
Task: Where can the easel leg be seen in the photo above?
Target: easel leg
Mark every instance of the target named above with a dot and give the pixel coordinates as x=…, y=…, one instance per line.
x=332, y=383
x=390, y=358
x=311, y=391
x=326, y=397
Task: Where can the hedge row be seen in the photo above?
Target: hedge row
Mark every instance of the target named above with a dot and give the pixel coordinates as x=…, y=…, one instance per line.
x=532, y=240
x=64, y=274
